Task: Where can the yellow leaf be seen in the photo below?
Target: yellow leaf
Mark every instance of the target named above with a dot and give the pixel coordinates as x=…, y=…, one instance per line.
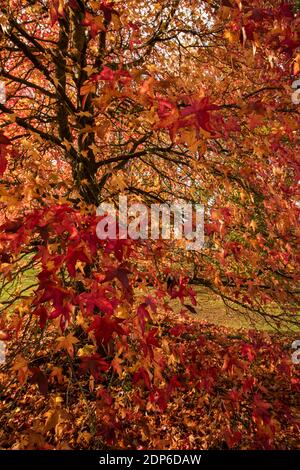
x=21, y=367
x=229, y=35
x=253, y=225
x=87, y=350
x=67, y=144
x=117, y=181
x=57, y=372
x=89, y=69
x=91, y=383
x=297, y=64
x=87, y=87
x=84, y=436
x=116, y=22
x=54, y=418
x=67, y=342
x=122, y=312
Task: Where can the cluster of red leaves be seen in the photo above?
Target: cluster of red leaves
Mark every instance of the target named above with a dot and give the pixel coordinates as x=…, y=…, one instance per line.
x=223, y=391
x=194, y=114
x=141, y=372
x=216, y=391
x=4, y=142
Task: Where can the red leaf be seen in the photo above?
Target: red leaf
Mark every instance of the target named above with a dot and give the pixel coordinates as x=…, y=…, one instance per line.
x=143, y=316
x=95, y=364
x=71, y=259
x=94, y=23
x=56, y=11
x=121, y=274
x=142, y=375
x=105, y=327
x=107, y=74
x=43, y=314
x=151, y=337
x=107, y=9
x=40, y=379
x=3, y=160
x=197, y=114
x=232, y=438
x=4, y=141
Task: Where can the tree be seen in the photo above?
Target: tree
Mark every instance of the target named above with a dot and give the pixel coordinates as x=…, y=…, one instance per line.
x=166, y=100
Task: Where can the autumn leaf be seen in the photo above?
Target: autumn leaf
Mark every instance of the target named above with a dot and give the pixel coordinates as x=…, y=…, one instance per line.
x=67, y=343
x=54, y=418
x=40, y=379
x=4, y=141
x=116, y=364
x=94, y=364
x=21, y=367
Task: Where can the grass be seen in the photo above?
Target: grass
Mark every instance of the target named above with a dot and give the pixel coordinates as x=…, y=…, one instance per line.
x=209, y=308
x=22, y=285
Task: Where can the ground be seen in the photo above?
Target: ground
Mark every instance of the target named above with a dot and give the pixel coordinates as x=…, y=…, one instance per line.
x=237, y=389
